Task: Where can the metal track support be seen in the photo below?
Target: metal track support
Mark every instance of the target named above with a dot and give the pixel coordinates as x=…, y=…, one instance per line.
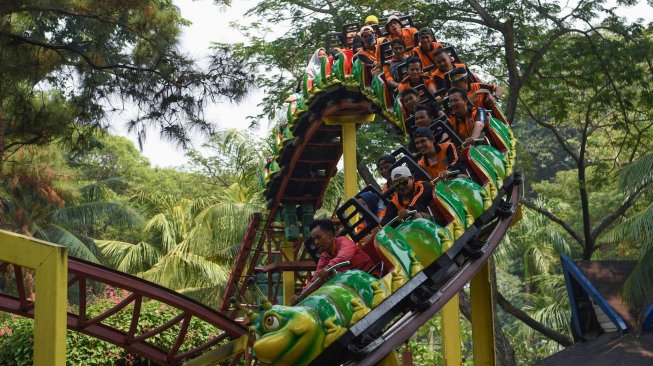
x=482, y=318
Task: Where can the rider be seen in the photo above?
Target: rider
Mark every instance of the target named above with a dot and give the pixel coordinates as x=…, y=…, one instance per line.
x=427, y=48
x=436, y=158
x=464, y=117
x=383, y=165
x=390, y=67
x=336, y=250
x=415, y=76
x=478, y=93
x=409, y=195
x=396, y=30
x=444, y=64
x=367, y=54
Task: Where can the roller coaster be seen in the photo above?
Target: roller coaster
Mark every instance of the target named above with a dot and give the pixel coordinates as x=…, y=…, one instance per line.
x=355, y=318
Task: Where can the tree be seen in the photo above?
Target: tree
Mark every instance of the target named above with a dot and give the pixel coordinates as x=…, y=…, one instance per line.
x=67, y=64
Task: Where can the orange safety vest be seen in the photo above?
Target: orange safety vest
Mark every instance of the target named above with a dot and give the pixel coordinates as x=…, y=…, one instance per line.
x=464, y=128
x=407, y=35
x=400, y=204
x=405, y=83
x=441, y=163
x=428, y=57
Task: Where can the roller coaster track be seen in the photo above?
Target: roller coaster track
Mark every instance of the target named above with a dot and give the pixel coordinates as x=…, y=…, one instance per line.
x=134, y=337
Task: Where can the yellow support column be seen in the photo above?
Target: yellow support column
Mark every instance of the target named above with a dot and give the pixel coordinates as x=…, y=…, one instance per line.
x=482, y=318
x=349, y=156
x=450, y=314
x=50, y=264
x=288, y=276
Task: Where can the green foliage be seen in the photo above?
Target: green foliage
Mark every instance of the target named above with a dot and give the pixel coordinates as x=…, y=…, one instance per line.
x=55, y=83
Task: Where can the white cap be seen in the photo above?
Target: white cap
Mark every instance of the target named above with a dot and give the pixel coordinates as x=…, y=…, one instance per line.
x=391, y=18
x=401, y=171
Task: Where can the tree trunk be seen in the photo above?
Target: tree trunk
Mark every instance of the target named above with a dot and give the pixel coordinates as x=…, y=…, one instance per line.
x=365, y=173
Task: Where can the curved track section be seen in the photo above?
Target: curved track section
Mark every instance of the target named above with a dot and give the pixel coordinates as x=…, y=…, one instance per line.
x=394, y=321
x=134, y=336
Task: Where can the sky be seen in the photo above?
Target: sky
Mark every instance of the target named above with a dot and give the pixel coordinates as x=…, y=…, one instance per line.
x=210, y=23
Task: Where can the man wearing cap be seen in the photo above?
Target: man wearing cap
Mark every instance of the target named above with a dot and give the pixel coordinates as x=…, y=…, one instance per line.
x=427, y=48
x=396, y=30
x=383, y=165
x=464, y=117
x=436, y=159
x=416, y=77
x=408, y=195
x=357, y=42
x=367, y=54
x=444, y=64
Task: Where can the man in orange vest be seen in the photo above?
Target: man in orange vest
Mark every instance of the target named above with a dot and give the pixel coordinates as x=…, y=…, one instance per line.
x=436, y=158
x=416, y=77
x=367, y=54
x=396, y=30
x=444, y=64
x=426, y=49
x=464, y=117
x=390, y=67
x=408, y=195
x=480, y=94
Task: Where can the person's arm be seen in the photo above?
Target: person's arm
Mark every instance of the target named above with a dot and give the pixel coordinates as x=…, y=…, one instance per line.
x=478, y=128
x=346, y=250
x=452, y=156
x=430, y=85
x=390, y=213
x=321, y=264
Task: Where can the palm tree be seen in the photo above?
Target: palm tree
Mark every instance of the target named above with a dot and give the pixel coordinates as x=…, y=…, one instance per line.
x=637, y=231
x=36, y=198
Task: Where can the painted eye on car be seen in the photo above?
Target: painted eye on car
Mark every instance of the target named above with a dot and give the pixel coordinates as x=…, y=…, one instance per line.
x=271, y=322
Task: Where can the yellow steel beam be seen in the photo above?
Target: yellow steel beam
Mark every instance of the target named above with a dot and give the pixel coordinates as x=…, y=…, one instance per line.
x=349, y=156
x=220, y=354
x=50, y=264
x=451, y=344
x=482, y=318
x=288, y=276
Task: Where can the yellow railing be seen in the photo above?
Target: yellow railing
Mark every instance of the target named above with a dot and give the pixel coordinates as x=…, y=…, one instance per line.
x=50, y=263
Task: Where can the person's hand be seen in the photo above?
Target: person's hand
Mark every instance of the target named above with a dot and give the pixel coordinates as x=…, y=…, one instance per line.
x=293, y=299
x=443, y=174
x=393, y=84
x=323, y=275
x=439, y=100
x=441, y=113
x=469, y=141
x=402, y=214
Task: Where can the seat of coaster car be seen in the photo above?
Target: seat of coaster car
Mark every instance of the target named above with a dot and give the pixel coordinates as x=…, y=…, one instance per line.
x=354, y=217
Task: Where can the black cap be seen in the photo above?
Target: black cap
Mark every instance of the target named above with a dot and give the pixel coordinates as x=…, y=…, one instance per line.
x=423, y=132
x=386, y=159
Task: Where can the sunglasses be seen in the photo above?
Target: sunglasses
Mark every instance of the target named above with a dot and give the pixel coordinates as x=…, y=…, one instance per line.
x=400, y=182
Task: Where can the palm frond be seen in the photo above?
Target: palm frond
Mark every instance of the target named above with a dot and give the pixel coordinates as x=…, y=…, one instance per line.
x=162, y=231
x=218, y=227
x=61, y=236
x=127, y=257
x=179, y=271
x=637, y=174
x=638, y=289
x=101, y=190
x=88, y=214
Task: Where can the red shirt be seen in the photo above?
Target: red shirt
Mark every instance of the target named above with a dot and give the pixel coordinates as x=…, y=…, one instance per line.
x=344, y=250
